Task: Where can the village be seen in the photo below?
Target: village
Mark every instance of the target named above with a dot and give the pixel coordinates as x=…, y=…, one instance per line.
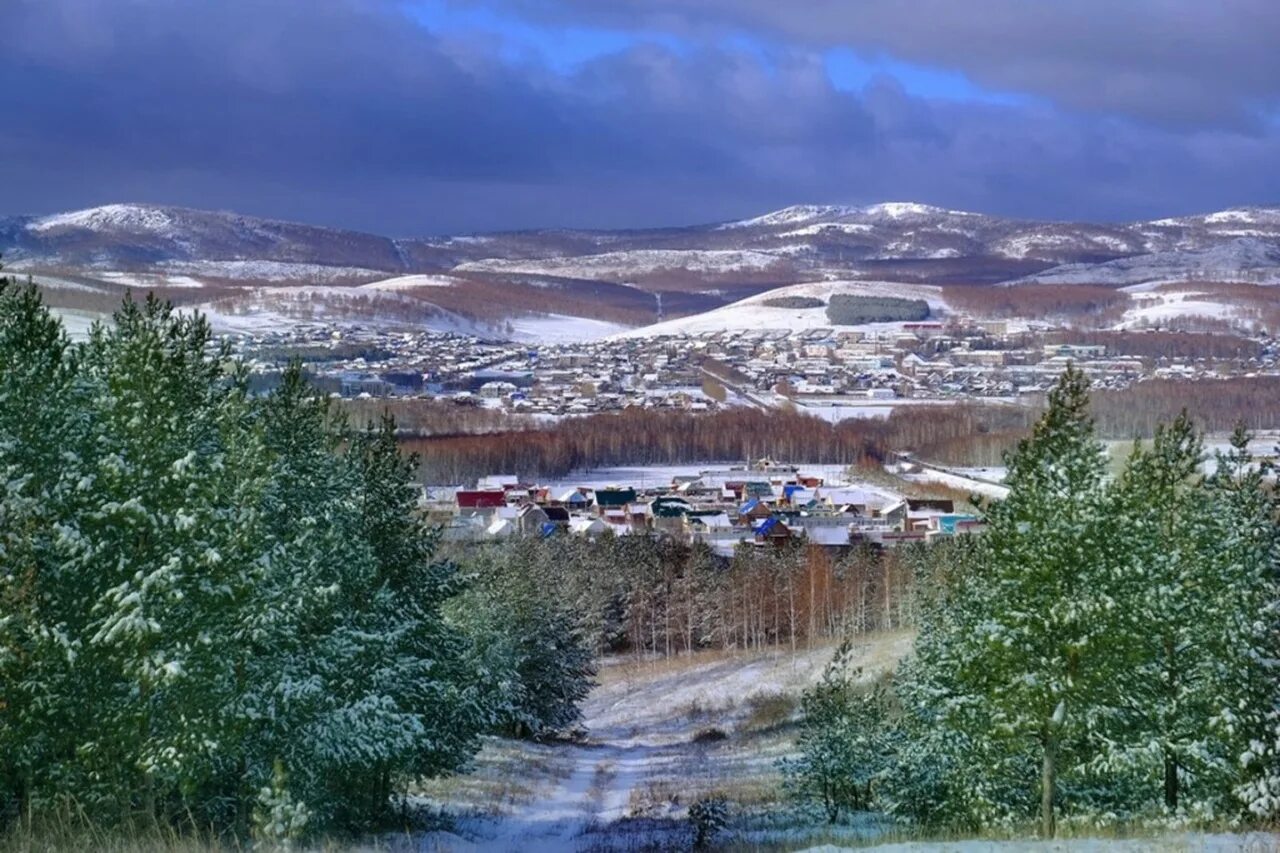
x=762, y=504
x=829, y=372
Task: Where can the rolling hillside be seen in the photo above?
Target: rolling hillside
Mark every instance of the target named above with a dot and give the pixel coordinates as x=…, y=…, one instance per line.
x=246, y=267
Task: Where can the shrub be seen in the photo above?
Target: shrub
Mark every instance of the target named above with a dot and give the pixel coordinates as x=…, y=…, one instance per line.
x=708, y=816
x=768, y=710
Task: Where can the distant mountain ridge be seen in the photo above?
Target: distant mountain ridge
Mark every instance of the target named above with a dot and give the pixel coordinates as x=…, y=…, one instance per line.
x=633, y=277
x=142, y=234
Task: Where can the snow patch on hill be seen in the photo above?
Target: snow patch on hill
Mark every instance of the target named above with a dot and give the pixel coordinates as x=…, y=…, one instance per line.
x=145, y=281
x=412, y=282
x=260, y=270
x=1240, y=260
x=132, y=217
x=560, y=328
x=829, y=228
x=630, y=263
x=1159, y=308
x=830, y=214
x=752, y=314
x=276, y=308
x=795, y=214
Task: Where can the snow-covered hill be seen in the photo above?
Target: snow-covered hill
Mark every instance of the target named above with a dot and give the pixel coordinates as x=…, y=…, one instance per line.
x=636, y=276
x=755, y=314
x=1252, y=260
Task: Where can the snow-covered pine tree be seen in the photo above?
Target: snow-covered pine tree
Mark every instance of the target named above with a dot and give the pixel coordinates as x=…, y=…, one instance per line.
x=1180, y=585
x=1245, y=548
x=205, y=594
x=39, y=690
x=426, y=665
x=845, y=744
x=1009, y=673
x=167, y=537
x=535, y=652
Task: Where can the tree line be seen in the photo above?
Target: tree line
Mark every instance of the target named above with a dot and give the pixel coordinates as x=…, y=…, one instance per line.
x=645, y=437
x=648, y=595
x=223, y=610
x=459, y=445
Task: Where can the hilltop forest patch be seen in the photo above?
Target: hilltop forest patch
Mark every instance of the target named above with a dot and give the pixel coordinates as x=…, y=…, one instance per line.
x=794, y=302
x=846, y=309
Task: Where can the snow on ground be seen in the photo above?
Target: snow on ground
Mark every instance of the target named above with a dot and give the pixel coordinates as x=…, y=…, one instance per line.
x=664, y=702
x=1247, y=259
x=628, y=787
x=836, y=409
x=828, y=228
x=282, y=271
x=954, y=479
x=274, y=308
x=642, y=477
x=994, y=474
x=77, y=323
x=752, y=314
x=836, y=412
x=1153, y=309
x=648, y=476
x=558, y=328
x=412, y=282
x=629, y=263
x=794, y=214
x=148, y=280
x=130, y=216
x=805, y=213
x=52, y=282
x=1191, y=842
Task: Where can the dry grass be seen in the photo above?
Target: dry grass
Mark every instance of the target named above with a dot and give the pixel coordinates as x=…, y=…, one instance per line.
x=505, y=775
x=631, y=669
x=770, y=710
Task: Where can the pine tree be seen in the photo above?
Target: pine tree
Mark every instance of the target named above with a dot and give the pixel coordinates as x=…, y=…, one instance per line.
x=1245, y=548
x=1009, y=673
x=845, y=744
x=1175, y=594
x=39, y=434
x=207, y=596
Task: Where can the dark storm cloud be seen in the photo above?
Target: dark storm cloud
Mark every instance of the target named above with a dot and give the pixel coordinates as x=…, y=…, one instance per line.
x=351, y=113
x=1181, y=63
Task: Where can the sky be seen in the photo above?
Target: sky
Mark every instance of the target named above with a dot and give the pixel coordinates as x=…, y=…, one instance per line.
x=417, y=117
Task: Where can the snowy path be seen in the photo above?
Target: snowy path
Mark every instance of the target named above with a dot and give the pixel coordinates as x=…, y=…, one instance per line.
x=628, y=785
x=595, y=792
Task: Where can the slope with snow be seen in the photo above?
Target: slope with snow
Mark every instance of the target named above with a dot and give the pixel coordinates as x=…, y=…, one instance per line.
x=625, y=264
x=693, y=268
x=752, y=314
x=1240, y=259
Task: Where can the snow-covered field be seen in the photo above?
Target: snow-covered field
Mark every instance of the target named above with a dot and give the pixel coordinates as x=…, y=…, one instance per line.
x=77, y=323
x=836, y=412
x=559, y=328
x=1154, y=308
x=961, y=479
